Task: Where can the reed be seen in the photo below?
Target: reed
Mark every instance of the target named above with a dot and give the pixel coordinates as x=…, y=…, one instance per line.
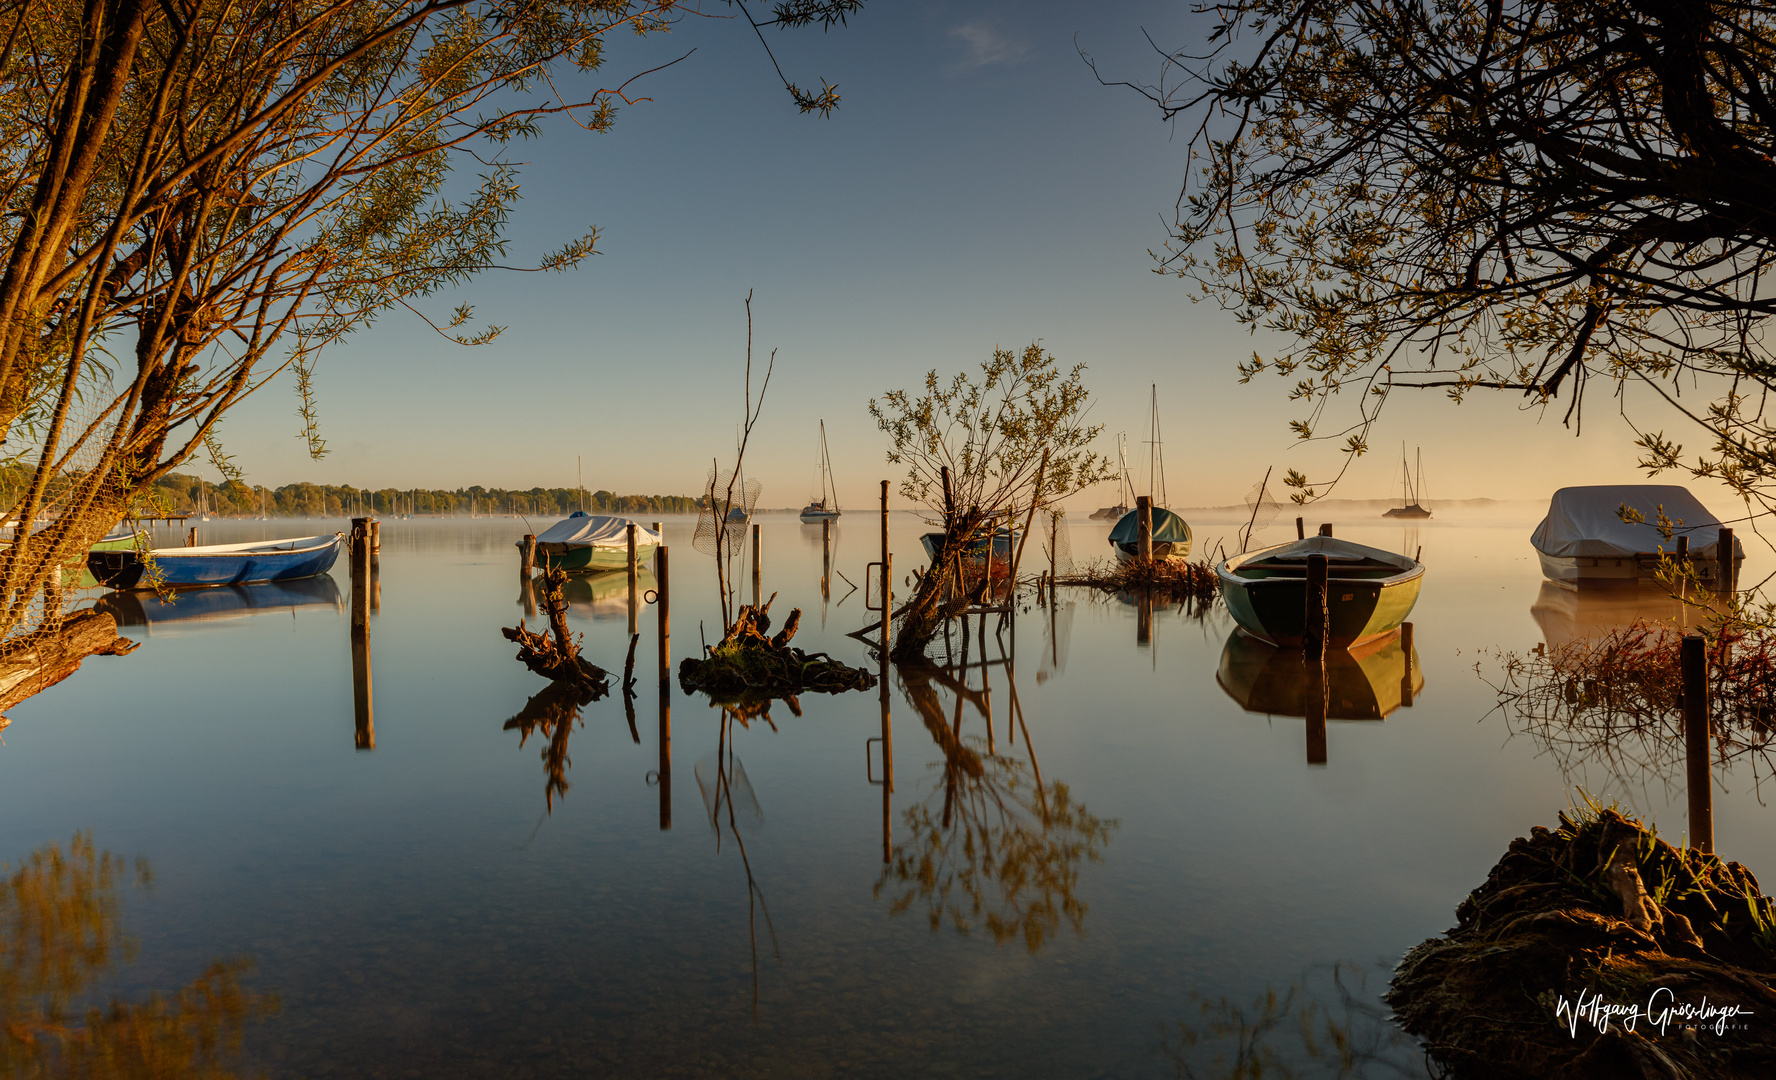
x=1187, y=581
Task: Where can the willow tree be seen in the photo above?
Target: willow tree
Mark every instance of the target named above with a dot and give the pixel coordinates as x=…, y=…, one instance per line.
x=979, y=446
x=1480, y=195
x=203, y=194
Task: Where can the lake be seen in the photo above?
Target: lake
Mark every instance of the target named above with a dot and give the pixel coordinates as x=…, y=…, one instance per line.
x=1128, y=873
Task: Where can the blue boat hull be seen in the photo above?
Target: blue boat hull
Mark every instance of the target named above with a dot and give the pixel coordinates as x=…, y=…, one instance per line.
x=197, y=605
x=125, y=569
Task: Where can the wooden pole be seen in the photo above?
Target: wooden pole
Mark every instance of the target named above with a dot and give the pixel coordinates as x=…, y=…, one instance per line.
x=664, y=774
x=1300, y=529
x=664, y=608
x=634, y=600
x=1313, y=622
x=375, y=546
x=1144, y=526
x=1723, y=553
x=1699, y=777
x=191, y=537
x=1406, y=679
x=1326, y=529
x=887, y=572
x=527, y=555
x=756, y=572
x=358, y=550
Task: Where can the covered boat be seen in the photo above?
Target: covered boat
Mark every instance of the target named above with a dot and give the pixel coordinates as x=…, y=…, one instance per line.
x=1369, y=592
x=1171, y=536
x=220, y=564
x=1584, y=541
x=585, y=543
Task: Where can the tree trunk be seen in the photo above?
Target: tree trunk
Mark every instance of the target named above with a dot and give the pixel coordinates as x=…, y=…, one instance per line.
x=36, y=662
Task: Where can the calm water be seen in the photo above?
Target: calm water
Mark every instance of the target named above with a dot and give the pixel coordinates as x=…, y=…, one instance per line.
x=419, y=911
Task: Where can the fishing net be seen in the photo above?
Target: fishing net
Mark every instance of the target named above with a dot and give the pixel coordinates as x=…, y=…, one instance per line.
x=1057, y=545
x=725, y=500
x=1261, y=510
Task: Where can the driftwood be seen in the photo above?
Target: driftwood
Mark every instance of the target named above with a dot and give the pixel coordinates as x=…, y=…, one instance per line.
x=1598, y=915
x=38, y=661
x=556, y=655
x=747, y=663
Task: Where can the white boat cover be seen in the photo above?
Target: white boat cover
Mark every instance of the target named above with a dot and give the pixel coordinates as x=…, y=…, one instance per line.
x=597, y=530
x=1584, y=522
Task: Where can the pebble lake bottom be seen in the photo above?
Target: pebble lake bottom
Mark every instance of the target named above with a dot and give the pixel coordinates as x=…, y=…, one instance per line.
x=1178, y=881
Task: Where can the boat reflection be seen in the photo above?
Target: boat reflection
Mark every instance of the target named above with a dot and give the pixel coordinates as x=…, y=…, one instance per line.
x=993, y=846
x=61, y=936
x=1566, y=615
x=220, y=601
x=595, y=596
x=1367, y=683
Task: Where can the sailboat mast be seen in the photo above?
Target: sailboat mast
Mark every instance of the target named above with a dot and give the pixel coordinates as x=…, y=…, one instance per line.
x=1405, y=478
x=1152, y=446
x=831, y=486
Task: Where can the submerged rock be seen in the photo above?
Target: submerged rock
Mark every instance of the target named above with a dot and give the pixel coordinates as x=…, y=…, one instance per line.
x=1598, y=950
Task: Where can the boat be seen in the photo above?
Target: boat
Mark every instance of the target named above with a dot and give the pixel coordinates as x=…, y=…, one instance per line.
x=587, y=543
x=1367, y=683
x=1171, y=537
x=225, y=602
x=1411, y=490
x=825, y=506
x=1584, y=541
x=1001, y=543
x=1369, y=592
x=220, y=564
x=1125, y=491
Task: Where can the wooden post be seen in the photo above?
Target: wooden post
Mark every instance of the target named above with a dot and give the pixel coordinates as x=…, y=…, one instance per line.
x=949, y=502
x=358, y=549
x=664, y=774
x=375, y=546
x=756, y=573
x=1406, y=679
x=1144, y=526
x=888, y=573
x=1699, y=776
x=1314, y=618
x=191, y=537
x=1300, y=529
x=527, y=555
x=1326, y=529
x=633, y=598
x=1723, y=553
x=664, y=609
x=527, y=594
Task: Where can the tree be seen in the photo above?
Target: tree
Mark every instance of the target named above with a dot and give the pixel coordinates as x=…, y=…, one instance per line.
x=203, y=195
x=974, y=448
x=1489, y=195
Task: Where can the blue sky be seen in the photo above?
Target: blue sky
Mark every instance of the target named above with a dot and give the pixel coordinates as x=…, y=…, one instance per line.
x=976, y=188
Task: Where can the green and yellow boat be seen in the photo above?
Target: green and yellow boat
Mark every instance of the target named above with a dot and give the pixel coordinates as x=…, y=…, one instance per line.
x=590, y=543
x=1369, y=592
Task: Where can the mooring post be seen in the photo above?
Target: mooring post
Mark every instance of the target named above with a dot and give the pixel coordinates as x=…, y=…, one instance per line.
x=1406, y=679
x=375, y=546
x=191, y=537
x=757, y=574
x=888, y=573
x=1326, y=529
x=663, y=774
x=634, y=600
x=664, y=608
x=527, y=555
x=1723, y=553
x=1144, y=526
x=1300, y=529
x=1314, y=618
x=358, y=551
x=1699, y=776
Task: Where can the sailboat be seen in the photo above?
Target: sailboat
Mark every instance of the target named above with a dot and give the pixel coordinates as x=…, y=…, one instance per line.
x=1411, y=493
x=1125, y=492
x=1171, y=536
x=825, y=506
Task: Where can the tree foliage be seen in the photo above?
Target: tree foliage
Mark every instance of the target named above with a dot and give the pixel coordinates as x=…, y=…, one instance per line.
x=202, y=194
x=1488, y=195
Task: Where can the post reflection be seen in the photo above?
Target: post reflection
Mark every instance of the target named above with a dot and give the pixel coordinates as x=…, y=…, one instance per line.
x=363, y=697
x=61, y=937
x=993, y=847
x=1370, y=682
x=733, y=809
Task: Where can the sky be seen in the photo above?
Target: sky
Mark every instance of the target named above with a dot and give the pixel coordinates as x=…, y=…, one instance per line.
x=977, y=188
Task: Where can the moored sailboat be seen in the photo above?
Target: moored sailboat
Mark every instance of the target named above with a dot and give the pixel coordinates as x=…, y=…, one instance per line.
x=824, y=506
x=1411, y=490
x=1171, y=534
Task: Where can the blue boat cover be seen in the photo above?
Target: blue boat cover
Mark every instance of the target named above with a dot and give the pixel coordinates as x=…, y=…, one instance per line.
x=1168, y=528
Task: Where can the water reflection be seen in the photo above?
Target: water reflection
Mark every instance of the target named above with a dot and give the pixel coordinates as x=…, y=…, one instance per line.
x=598, y=597
x=1567, y=615
x=992, y=846
x=61, y=939
x=729, y=799
x=1368, y=683
x=1328, y=1023
x=219, y=602
x=554, y=712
